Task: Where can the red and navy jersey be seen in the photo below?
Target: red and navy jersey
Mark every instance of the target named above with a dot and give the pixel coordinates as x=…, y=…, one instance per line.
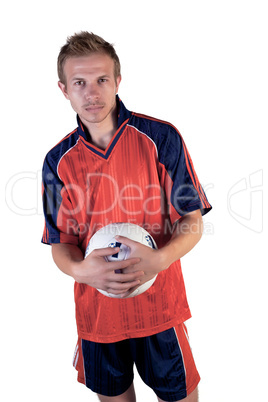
x=145, y=176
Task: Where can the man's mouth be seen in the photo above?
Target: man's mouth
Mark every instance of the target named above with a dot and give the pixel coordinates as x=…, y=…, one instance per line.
x=93, y=106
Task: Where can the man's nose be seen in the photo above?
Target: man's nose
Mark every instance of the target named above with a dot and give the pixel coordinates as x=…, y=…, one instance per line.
x=92, y=92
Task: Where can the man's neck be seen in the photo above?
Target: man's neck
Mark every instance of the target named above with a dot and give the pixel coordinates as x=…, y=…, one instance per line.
x=102, y=133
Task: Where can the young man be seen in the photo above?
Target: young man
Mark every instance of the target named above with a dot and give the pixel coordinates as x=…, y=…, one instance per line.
x=120, y=166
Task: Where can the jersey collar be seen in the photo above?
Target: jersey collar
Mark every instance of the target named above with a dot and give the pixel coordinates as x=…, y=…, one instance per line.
x=123, y=115
x=123, y=118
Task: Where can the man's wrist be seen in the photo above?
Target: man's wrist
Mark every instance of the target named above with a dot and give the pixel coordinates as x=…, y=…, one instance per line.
x=76, y=271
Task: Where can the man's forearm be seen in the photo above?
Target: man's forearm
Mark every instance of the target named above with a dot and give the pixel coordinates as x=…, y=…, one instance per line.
x=94, y=270
x=66, y=256
x=187, y=233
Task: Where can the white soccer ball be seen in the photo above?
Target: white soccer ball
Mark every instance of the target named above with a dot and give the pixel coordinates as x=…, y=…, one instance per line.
x=105, y=237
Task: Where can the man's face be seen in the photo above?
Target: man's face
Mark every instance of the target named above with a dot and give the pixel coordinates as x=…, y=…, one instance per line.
x=91, y=87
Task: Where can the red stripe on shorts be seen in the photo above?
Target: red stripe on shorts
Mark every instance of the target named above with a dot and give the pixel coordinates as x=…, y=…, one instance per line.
x=191, y=373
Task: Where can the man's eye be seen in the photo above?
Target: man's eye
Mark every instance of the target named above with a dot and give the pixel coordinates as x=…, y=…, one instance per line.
x=79, y=83
x=101, y=80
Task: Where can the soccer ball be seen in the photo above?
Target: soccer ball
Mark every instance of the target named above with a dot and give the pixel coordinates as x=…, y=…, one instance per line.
x=105, y=237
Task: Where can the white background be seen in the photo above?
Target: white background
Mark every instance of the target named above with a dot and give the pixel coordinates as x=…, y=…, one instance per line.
x=201, y=65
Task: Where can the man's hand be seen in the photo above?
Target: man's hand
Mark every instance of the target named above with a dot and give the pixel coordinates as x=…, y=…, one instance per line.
x=100, y=274
x=144, y=263
x=95, y=271
x=187, y=232
x=150, y=260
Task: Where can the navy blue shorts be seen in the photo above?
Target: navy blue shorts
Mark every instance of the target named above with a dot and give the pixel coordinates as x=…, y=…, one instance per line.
x=164, y=361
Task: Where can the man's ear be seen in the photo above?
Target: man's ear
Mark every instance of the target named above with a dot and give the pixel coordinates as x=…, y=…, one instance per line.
x=63, y=89
x=118, y=80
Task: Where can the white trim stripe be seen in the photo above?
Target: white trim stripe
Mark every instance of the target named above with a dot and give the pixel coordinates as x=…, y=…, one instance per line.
x=64, y=155
x=75, y=353
x=76, y=360
x=129, y=125
x=181, y=353
x=187, y=336
x=85, y=377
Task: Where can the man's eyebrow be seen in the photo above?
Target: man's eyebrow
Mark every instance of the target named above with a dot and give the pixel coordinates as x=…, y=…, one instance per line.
x=104, y=76
x=99, y=77
x=77, y=79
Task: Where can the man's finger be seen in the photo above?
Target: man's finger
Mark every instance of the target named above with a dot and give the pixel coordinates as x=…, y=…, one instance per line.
x=103, y=252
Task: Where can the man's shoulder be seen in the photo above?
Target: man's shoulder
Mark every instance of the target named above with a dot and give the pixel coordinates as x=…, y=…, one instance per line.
x=153, y=126
x=161, y=132
x=62, y=147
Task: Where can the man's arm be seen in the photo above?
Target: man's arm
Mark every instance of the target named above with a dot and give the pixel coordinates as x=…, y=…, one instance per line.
x=143, y=265
x=94, y=270
x=187, y=233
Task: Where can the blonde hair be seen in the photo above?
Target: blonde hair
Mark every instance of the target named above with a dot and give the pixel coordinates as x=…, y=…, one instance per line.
x=83, y=44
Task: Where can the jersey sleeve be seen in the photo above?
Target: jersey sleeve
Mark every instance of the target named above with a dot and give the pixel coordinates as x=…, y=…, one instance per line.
x=59, y=223
x=185, y=191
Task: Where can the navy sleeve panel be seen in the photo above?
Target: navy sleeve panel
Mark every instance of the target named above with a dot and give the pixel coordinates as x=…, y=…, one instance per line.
x=52, y=188
x=187, y=193
x=52, y=199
